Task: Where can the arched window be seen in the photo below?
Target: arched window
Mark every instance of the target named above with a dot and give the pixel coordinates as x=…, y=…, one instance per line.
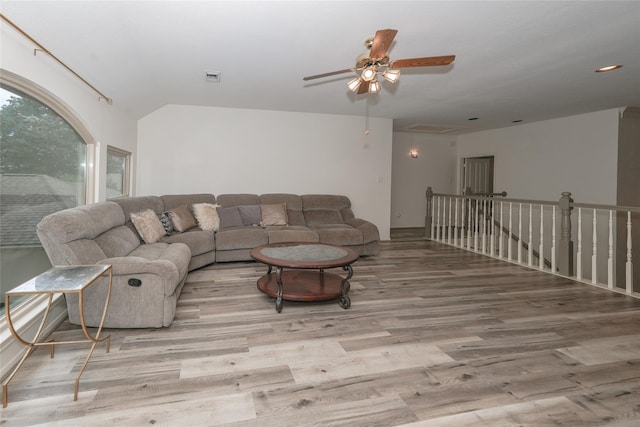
x=44, y=168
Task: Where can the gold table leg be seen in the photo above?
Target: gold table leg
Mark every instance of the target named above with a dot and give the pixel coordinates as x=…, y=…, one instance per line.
x=35, y=342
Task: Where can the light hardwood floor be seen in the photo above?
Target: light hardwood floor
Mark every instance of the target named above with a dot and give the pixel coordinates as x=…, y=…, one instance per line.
x=435, y=336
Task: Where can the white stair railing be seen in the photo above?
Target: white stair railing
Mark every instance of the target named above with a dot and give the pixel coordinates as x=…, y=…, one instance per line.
x=525, y=232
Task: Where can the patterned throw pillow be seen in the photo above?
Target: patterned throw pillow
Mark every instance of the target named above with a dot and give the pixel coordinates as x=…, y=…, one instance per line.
x=166, y=223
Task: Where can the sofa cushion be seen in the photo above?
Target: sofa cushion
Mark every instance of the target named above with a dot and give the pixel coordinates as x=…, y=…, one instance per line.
x=138, y=204
x=320, y=216
x=207, y=216
x=274, y=214
x=171, y=201
x=291, y=233
x=118, y=242
x=182, y=218
x=148, y=225
x=176, y=259
x=198, y=241
x=227, y=200
x=229, y=217
x=240, y=238
x=328, y=201
x=340, y=235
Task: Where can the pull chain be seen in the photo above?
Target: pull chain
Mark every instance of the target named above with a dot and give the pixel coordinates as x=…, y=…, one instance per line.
x=366, y=117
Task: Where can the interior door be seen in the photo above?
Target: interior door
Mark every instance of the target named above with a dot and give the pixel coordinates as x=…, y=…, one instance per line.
x=477, y=175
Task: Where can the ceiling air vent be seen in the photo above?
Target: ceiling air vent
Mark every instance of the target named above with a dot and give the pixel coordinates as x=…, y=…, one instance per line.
x=433, y=128
x=213, y=76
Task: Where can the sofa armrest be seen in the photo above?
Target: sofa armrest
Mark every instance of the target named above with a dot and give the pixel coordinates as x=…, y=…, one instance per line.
x=369, y=230
x=137, y=266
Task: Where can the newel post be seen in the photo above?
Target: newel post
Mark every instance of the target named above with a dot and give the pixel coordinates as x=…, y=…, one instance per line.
x=429, y=213
x=565, y=248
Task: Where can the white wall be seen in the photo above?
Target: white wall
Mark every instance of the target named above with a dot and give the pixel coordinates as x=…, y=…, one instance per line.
x=541, y=160
x=191, y=149
x=107, y=124
x=435, y=167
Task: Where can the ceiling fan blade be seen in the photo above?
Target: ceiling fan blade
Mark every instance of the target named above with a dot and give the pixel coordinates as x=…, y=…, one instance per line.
x=364, y=87
x=422, y=62
x=381, y=43
x=332, y=73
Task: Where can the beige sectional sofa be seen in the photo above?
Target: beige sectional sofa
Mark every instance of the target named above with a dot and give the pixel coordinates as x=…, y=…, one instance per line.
x=148, y=277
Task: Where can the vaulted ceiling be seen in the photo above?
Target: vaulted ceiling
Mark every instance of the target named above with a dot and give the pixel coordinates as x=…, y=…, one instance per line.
x=515, y=60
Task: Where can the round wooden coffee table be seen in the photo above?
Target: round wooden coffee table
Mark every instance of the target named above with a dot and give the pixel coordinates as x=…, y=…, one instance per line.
x=302, y=283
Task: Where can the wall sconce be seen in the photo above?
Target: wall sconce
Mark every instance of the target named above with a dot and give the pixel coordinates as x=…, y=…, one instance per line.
x=413, y=153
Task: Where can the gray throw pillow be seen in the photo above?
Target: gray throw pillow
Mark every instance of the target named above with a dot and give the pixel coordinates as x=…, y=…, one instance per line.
x=250, y=215
x=229, y=217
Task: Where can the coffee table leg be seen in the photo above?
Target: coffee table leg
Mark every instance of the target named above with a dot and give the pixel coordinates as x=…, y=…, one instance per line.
x=280, y=289
x=345, y=301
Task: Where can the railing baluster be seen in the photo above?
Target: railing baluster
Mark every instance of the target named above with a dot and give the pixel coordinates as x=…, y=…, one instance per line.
x=520, y=247
x=463, y=209
x=455, y=226
x=579, y=251
x=449, y=229
x=500, y=237
x=438, y=223
x=492, y=228
x=475, y=228
x=629, y=264
x=541, y=246
x=484, y=226
x=553, y=239
x=433, y=219
x=470, y=225
x=509, y=245
x=530, y=254
x=610, y=284
x=594, y=253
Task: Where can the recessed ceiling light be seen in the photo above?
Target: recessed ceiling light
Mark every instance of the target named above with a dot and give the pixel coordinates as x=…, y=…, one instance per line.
x=608, y=68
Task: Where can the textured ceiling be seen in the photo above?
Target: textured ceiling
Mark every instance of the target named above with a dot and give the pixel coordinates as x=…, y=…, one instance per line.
x=517, y=60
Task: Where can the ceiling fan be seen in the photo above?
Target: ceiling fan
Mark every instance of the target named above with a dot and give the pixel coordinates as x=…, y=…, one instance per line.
x=376, y=60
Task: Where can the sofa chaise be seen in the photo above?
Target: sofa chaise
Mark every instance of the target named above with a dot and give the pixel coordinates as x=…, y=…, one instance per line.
x=148, y=276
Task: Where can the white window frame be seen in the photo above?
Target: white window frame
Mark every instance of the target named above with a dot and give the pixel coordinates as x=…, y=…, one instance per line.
x=25, y=317
x=126, y=179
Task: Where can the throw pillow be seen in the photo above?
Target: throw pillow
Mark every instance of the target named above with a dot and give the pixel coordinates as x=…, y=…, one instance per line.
x=274, y=214
x=207, y=216
x=182, y=218
x=148, y=225
x=250, y=215
x=166, y=223
x=229, y=217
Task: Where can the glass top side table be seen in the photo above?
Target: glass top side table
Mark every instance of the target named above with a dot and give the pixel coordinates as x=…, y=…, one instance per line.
x=59, y=280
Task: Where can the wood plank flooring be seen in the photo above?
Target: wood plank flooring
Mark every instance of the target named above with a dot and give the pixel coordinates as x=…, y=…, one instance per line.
x=435, y=336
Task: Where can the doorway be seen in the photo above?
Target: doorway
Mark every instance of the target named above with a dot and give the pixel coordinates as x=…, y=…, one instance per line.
x=477, y=175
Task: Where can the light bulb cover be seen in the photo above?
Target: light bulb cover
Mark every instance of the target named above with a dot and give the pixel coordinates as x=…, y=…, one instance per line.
x=354, y=84
x=391, y=75
x=369, y=74
x=374, y=87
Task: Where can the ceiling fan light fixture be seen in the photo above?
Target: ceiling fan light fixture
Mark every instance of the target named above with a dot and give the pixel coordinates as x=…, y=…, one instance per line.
x=391, y=75
x=374, y=87
x=369, y=74
x=354, y=84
